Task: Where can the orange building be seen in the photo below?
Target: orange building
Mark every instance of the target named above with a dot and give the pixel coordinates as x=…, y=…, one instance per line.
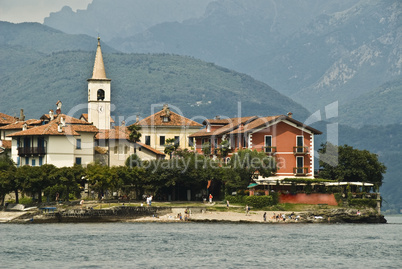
x=289, y=141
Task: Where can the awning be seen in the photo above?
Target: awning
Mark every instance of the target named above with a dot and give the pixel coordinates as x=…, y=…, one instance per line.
x=252, y=185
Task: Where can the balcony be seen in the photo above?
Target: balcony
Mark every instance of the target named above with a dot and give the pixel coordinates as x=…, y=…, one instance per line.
x=31, y=151
x=300, y=171
x=269, y=150
x=300, y=150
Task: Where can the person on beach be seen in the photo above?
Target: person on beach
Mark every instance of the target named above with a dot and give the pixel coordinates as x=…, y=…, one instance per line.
x=227, y=204
x=265, y=216
x=247, y=210
x=82, y=203
x=210, y=198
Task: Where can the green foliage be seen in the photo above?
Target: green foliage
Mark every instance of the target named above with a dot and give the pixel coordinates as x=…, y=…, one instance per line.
x=236, y=199
x=206, y=148
x=170, y=146
x=363, y=203
x=344, y=163
x=133, y=161
x=244, y=165
x=259, y=201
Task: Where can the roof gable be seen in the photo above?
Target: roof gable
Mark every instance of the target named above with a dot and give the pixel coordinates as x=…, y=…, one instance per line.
x=174, y=120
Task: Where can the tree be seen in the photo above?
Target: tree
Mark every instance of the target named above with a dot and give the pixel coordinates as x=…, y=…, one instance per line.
x=344, y=163
x=134, y=135
x=133, y=161
x=7, y=174
x=170, y=146
x=206, y=148
x=224, y=148
x=245, y=164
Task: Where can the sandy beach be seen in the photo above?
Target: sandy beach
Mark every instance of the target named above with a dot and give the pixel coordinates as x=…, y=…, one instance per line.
x=253, y=216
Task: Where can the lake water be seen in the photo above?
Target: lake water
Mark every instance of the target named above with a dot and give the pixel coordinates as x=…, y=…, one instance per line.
x=201, y=245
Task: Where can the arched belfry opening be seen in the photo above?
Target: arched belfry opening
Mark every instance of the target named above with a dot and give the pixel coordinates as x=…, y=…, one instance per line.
x=101, y=95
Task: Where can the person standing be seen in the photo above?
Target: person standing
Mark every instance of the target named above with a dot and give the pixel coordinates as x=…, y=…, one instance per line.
x=265, y=216
x=227, y=204
x=210, y=198
x=247, y=210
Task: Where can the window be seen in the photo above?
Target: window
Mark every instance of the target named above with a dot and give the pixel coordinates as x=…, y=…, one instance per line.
x=300, y=164
x=18, y=161
x=125, y=149
x=299, y=143
x=78, y=160
x=26, y=161
x=101, y=95
x=268, y=143
x=162, y=140
x=78, y=143
x=33, y=162
x=165, y=119
x=244, y=141
x=191, y=141
x=40, y=161
x=148, y=140
x=177, y=141
x=41, y=142
x=116, y=149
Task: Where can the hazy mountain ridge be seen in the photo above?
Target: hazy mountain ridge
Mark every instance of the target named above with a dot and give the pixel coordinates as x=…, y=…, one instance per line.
x=119, y=19
x=197, y=88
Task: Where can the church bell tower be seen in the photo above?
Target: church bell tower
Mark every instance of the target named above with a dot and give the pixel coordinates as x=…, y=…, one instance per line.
x=99, y=93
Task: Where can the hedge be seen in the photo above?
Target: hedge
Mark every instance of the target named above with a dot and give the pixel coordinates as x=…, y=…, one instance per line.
x=363, y=202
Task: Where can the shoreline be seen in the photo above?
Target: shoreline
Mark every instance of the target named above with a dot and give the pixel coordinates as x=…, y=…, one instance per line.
x=171, y=215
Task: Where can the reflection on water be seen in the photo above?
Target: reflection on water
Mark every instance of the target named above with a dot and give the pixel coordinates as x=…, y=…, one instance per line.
x=183, y=245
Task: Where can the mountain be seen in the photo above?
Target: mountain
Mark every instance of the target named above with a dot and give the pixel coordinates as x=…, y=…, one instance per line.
x=316, y=52
x=381, y=106
x=24, y=43
x=54, y=73
x=123, y=18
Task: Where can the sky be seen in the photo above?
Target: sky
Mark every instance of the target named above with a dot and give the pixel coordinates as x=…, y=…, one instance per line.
x=17, y=11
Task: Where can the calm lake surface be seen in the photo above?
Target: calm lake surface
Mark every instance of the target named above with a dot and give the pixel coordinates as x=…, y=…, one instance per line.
x=201, y=245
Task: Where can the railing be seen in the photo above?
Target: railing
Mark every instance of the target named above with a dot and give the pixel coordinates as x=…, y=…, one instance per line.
x=269, y=149
x=300, y=171
x=22, y=151
x=300, y=150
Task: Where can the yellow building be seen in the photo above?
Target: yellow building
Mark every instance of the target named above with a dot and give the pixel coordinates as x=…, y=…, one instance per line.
x=166, y=124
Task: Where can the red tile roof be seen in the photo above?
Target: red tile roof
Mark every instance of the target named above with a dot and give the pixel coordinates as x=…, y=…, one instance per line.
x=174, y=120
x=18, y=125
x=257, y=123
x=248, y=124
x=5, y=144
x=119, y=132
x=231, y=125
x=122, y=132
x=72, y=127
x=151, y=149
x=6, y=119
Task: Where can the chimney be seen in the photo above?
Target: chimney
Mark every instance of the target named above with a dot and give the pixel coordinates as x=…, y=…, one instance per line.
x=22, y=116
x=123, y=123
x=24, y=126
x=51, y=114
x=63, y=121
x=290, y=114
x=59, y=129
x=217, y=117
x=137, y=119
x=58, y=110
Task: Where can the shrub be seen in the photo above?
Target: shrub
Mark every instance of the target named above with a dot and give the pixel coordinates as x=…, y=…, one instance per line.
x=235, y=199
x=363, y=203
x=259, y=201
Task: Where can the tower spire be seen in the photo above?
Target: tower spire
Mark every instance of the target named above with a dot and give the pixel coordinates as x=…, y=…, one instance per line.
x=99, y=67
